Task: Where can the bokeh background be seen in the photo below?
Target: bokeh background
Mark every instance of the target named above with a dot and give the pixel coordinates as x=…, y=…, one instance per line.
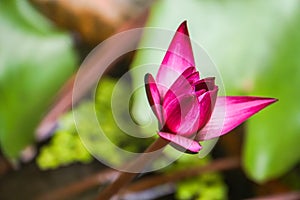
x=255, y=45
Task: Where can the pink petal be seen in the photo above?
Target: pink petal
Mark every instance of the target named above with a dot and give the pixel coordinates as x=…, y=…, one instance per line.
x=153, y=96
x=182, y=115
x=207, y=103
x=230, y=112
x=184, y=142
x=200, y=92
x=178, y=58
x=194, y=77
x=179, y=87
x=206, y=83
x=188, y=72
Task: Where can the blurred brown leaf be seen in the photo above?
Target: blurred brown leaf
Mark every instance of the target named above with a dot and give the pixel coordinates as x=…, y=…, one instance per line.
x=64, y=99
x=94, y=20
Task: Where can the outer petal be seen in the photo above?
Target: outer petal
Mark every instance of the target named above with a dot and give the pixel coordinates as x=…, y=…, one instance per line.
x=178, y=58
x=184, y=142
x=230, y=112
x=153, y=97
x=182, y=115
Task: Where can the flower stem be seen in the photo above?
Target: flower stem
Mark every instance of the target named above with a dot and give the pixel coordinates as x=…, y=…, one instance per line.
x=137, y=165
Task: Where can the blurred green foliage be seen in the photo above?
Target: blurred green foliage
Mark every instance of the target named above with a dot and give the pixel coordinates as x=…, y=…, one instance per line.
x=35, y=60
x=201, y=187
x=108, y=120
x=64, y=148
x=255, y=45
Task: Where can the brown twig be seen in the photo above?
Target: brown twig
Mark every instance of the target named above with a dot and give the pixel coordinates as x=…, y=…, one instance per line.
x=137, y=166
x=286, y=196
x=5, y=166
x=73, y=189
x=108, y=176
x=217, y=165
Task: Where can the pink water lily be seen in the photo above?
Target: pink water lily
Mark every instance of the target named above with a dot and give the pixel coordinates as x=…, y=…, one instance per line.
x=187, y=107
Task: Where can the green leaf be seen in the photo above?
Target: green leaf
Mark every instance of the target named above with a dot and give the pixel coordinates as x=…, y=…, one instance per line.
x=240, y=37
x=35, y=60
x=272, y=143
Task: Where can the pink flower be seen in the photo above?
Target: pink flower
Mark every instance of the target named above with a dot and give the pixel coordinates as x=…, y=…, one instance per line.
x=187, y=107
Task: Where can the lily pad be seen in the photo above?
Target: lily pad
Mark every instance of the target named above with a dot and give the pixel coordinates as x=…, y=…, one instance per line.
x=271, y=146
x=35, y=60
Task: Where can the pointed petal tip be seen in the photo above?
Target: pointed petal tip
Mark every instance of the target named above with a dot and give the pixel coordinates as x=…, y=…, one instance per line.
x=273, y=100
x=267, y=100
x=179, y=57
x=183, y=28
x=148, y=78
x=270, y=101
x=236, y=109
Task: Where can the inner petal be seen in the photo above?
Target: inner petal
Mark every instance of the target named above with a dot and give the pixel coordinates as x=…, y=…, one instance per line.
x=182, y=115
x=206, y=84
x=207, y=104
